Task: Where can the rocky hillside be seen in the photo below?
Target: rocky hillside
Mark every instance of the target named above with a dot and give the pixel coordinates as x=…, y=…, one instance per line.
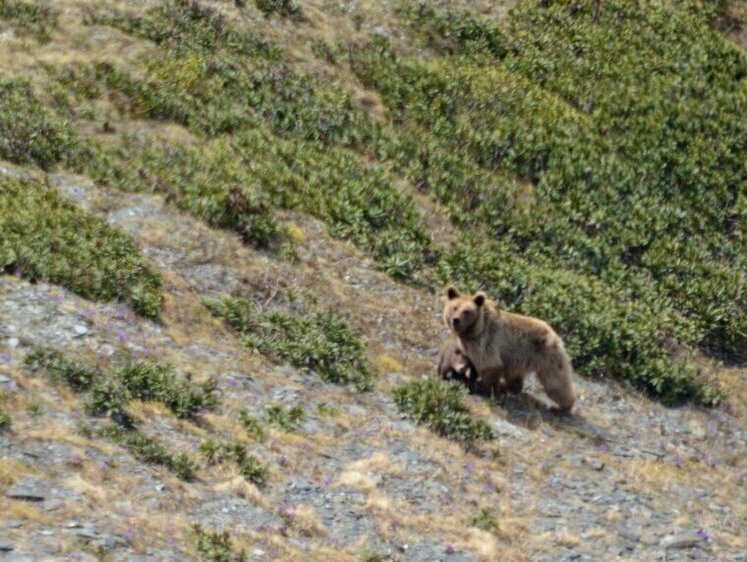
x=225, y=229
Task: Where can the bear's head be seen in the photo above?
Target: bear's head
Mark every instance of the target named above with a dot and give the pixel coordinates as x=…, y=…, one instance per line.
x=463, y=314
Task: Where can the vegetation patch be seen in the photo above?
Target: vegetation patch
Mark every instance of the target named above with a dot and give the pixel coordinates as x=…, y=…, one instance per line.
x=486, y=520
x=213, y=546
x=43, y=237
x=29, y=18
x=249, y=466
x=321, y=342
x=440, y=406
x=5, y=420
x=252, y=426
x=109, y=391
x=30, y=133
x=148, y=450
x=288, y=418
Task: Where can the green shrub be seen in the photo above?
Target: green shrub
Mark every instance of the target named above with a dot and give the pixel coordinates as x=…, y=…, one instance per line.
x=43, y=237
x=252, y=426
x=158, y=382
x=31, y=133
x=108, y=398
x=250, y=466
x=148, y=450
x=5, y=420
x=60, y=368
x=213, y=546
x=30, y=18
x=288, y=419
x=283, y=8
x=454, y=32
x=439, y=405
x=486, y=520
x=108, y=392
x=322, y=342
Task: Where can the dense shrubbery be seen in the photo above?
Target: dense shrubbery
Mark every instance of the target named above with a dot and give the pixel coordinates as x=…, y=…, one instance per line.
x=439, y=405
x=647, y=194
x=30, y=18
x=43, y=237
x=642, y=232
x=32, y=134
x=319, y=341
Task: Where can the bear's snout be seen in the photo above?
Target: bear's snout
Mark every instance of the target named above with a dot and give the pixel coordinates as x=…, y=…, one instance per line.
x=456, y=323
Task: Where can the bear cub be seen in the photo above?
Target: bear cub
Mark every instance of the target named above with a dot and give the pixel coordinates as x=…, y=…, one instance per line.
x=455, y=365
x=506, y=347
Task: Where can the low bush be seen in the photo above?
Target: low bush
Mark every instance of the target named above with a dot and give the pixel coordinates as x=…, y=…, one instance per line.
x=213, y=546
x=150, y=451
x=321, y=342
x=159, y=382
x=288, y=418
x=439, y=405
x=43, y=237
x=249, y=466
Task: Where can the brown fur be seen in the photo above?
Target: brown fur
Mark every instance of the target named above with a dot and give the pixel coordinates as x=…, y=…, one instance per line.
x=506, y=347
x=455, y=365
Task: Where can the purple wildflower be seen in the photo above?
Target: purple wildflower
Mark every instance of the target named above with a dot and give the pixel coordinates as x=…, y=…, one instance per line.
x=703, y=534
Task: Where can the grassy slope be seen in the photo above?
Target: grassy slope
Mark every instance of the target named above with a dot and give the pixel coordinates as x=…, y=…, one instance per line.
x=611, y=213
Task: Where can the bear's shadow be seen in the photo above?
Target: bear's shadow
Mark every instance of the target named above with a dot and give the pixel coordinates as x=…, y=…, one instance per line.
x=527, y=411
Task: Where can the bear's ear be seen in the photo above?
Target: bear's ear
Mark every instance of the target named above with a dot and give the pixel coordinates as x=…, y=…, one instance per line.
x=480, y=299
x=452, y=293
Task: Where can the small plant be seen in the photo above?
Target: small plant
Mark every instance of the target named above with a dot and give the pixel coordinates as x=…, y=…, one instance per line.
x=438, y=405
x=213, y=546
x=159, y=382
x=4, y=420
x=108, y=398
x=325, y=409
x=60, y=368
x=148, y=450
x=486, y=520
x=252, y=426
x=36, y=409
x=250, y=466
x=288, y=419
x=283, y=8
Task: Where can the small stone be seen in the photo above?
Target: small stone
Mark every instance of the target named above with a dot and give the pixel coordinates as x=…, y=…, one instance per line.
x=629, y=534
x=596, y=464
x=80, y=330
x=5, y=546
x=13, y=523
x=13, y=342
x=24, y=492
x=686, y=540
x=53, y=505
x=258, y=553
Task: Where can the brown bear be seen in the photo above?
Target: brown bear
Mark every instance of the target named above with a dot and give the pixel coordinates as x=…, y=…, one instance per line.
x=506, y=347
x=455, y=365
